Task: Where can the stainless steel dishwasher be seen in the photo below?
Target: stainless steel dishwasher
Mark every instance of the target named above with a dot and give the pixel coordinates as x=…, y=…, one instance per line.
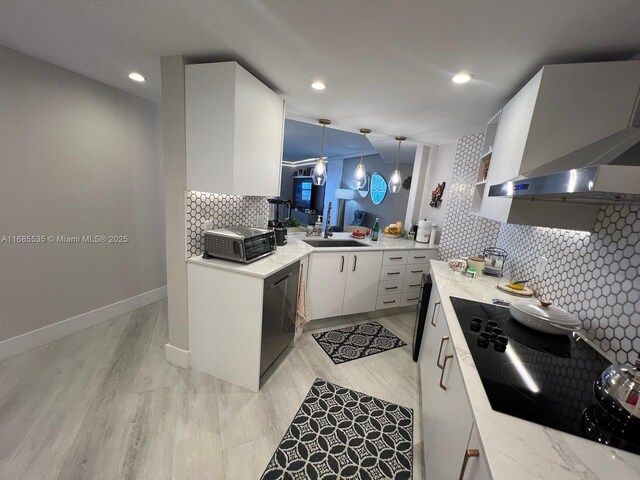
x=278, y=313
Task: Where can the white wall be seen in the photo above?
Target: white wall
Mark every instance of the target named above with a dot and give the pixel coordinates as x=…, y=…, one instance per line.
x=77, y=158
x=438, y=171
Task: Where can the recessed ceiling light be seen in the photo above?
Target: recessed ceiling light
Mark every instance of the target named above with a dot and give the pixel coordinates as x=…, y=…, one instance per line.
x=461, y=77
x=318, y=85
x=136, y=77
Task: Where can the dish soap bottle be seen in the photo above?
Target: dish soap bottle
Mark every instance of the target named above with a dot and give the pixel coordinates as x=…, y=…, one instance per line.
x=375, y=231
x=317, y=231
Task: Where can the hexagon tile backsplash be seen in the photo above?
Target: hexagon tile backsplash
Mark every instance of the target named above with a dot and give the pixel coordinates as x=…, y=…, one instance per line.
x=595, y=275
x=223, y=211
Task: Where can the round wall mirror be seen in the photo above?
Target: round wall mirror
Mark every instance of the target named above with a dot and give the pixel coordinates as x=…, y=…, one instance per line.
x=378, y=188
x=365, y=191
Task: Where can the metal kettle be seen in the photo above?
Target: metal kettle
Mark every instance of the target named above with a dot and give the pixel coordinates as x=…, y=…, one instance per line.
x=618, y=391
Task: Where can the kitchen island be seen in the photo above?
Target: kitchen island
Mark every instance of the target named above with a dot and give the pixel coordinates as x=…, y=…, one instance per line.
x=508, y=447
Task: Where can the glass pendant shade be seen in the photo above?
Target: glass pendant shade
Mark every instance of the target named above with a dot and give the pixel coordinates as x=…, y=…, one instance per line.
x=319, y=175
x=360, y=175
x=395, y=182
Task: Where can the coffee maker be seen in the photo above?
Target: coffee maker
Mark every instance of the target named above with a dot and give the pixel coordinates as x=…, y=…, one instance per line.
x=279, y=211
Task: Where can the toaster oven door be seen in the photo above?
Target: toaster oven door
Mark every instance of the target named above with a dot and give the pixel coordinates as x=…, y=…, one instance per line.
x=256, y=246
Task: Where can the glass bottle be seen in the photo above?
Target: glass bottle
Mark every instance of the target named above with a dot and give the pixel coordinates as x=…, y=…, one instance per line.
x=375, y=231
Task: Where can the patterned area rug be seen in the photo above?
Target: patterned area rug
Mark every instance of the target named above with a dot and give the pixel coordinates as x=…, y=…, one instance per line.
x=351, y=343
x=339, y=433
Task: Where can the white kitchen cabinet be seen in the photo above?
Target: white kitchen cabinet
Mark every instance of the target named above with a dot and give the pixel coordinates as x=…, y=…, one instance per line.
x=361, y=290
x=327, y=278
x=476, y=467
x=561, y=109
x=426, y=360
x=234, y=131
x=453, y=418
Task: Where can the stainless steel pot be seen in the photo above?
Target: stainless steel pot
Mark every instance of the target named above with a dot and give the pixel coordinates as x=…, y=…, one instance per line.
x=618, y=390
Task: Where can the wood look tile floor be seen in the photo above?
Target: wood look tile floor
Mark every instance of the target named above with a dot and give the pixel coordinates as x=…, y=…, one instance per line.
x=104, y=404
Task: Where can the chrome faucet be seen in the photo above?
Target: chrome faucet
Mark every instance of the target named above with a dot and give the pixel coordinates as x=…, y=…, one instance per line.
x=328, y=232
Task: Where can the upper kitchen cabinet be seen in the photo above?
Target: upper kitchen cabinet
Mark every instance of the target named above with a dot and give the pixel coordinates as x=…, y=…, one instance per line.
x=560, y=110
x=234, y=131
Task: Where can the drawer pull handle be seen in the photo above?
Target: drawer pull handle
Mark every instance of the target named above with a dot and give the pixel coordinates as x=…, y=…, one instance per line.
x=433, y=314
x=395, y=258
x=471, y=452
x=414, y=285
x=393, y=273
x=389, y=301
x=417, y=271
x=342, y=263
x=419, y=257
x=355, y=262
x=440, y=352
x=444, y=365
x=390, y=288
x=412, y=299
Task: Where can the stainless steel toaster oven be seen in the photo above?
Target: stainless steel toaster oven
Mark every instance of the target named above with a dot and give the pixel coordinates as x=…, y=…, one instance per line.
x=239, y=243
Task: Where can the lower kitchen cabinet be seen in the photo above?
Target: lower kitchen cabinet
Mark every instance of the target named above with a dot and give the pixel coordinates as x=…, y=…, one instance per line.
x=361, y=291
x=342, y=283
x=450, y=446
x=327, y=278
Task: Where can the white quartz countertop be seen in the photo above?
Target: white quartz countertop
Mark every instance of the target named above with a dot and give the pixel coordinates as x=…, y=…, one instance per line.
x=515, y=448
x=296, y=249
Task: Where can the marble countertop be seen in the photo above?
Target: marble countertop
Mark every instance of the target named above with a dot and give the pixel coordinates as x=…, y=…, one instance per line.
x=296, y=249
x=515, y=448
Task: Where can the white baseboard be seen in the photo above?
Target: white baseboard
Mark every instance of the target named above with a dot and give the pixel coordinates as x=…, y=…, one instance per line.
x=177, y=356
x=35, y=338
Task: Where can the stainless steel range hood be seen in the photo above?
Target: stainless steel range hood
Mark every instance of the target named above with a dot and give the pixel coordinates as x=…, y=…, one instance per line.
x=604, y=172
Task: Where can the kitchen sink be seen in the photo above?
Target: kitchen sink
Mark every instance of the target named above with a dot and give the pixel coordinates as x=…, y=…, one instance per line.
x=330, y=243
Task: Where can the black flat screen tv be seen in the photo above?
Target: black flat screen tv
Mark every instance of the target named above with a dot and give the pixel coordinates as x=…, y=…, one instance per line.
x=306, y=195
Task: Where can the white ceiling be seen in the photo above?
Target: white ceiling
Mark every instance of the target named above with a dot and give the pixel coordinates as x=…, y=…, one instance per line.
x=387, y=64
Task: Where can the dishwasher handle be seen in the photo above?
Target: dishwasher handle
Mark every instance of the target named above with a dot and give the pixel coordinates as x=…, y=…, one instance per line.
x=278, y=282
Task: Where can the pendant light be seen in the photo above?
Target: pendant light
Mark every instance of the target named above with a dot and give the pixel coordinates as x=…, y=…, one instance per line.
x=319, y=175
x=360, y=175
x=395, y=182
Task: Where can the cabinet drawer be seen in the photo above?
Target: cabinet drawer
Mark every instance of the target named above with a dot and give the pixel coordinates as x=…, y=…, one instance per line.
x=387, y=287
x=395, y=257
x=418, y=257
x=392, y=272
x=416, y=269
x=411, y=283
x=410, y=298
x=388, y=301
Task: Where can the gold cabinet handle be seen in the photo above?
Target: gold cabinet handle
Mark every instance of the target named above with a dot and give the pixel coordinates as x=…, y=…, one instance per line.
x=444, y=365
x=440, y=352
x=433, y=314
x=471, y=452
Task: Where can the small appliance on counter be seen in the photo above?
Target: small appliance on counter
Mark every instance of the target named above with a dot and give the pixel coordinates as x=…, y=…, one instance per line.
x=279, y=211
x=239, y=243
x=423, y=234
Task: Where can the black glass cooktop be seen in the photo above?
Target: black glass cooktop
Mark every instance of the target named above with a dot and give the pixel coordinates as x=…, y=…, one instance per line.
x=545, y=379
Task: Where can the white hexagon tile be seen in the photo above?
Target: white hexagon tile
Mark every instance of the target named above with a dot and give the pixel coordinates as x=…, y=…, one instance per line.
x=594, y=275
x=223, y=211
x=465, y=234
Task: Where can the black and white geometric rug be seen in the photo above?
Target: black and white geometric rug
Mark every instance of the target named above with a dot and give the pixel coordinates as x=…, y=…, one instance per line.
x=351, y=343
x=339, y=433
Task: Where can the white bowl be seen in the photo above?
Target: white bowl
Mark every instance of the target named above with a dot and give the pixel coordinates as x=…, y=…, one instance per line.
x=552, y=320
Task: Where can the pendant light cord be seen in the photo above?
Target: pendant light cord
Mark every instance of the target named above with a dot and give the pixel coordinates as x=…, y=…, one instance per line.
x=324, y=127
